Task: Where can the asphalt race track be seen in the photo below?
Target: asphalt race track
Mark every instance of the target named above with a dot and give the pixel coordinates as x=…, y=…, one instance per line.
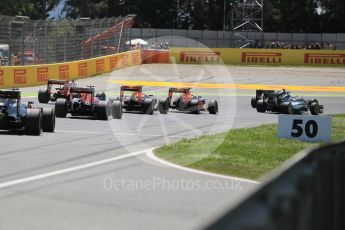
x=93, y=174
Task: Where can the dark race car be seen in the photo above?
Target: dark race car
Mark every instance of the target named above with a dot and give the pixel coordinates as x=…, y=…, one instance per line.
x=137, y=100
x=281, y=101
x=84, y=102
x=15, y=115
x=52, y=93
x=186, y=101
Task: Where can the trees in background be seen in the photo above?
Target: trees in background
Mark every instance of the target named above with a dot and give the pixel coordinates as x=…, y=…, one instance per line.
x=332, y=18
x=35, y=9
x=279, y=15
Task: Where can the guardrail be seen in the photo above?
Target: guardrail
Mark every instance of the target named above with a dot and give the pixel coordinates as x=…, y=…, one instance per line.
x=23, y=76
x=308, y=192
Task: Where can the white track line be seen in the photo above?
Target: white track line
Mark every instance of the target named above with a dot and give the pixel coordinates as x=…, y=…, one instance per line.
x=29, y=97
x=121, y=134
x=80, y=132
x=69, y=170
x=152, y=156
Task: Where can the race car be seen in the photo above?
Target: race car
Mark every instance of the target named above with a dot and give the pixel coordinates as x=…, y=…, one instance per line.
x=137, y=100
x=15, y=115
x=187, y=102
x=84, y=102
x=281, y=101
x=52, y=94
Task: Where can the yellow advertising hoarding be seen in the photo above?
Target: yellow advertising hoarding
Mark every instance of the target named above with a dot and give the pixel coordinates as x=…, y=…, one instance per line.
x=22, y=76
x=279, y=57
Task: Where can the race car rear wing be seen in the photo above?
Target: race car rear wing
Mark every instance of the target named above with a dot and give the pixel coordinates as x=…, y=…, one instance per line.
x=82, y=90
x=261, y=93
x=10, y=94
x=178, y=90
x=137, y=88
x=57, y=82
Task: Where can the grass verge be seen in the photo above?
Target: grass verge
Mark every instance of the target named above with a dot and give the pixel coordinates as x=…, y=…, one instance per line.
x=247, y=153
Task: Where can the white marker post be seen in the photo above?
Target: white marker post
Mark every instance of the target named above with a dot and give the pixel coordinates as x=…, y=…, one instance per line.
x=305, y=127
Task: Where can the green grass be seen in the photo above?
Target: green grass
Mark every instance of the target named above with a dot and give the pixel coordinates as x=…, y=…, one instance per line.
x=247, y=153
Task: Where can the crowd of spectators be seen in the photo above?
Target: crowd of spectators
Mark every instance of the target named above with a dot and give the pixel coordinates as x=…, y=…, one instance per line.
x=291, y=45
x=158, y=45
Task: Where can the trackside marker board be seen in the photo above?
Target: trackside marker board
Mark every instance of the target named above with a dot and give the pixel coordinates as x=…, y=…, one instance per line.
x=305, y=127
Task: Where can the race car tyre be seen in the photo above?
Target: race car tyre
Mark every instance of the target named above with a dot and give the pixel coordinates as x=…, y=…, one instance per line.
x=261, y=106
x=43, y=96
x=117, y=109
x=48, y=120
x=194, y=106
x=289, y=109
x=163, y=106
x=103, y=110
x=315, y=108
x=33, y=123
x=148, y=106
x=276, y=102
x=253, y=102
x=61, y=107
x=213, y=107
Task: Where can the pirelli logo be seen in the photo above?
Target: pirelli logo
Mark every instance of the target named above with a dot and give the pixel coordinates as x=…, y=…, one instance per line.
x=113, y=62
x=100, y=66
x=262, y=57
x=200, y=57
x=63, y=72
x=324, y=59
x=19, y=77
x=82, y=69
x=2, y=77
x=42, y=74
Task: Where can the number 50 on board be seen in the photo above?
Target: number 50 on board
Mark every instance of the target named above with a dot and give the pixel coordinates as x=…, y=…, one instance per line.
x=305, y=127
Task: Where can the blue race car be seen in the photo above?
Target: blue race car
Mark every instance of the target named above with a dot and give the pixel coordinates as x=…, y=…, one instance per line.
x=15, y=115
x=281, y=101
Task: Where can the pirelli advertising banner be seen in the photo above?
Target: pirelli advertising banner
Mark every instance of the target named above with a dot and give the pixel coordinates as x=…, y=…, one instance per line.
x=21, y=76
x=277, y=57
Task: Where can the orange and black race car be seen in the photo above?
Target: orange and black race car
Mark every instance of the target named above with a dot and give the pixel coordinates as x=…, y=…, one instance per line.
x=186, y=101
x=52, y=94
x=136, y=100
x=84, y=102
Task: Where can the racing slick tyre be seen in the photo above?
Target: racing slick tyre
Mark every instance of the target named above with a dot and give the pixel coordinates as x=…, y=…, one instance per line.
x=61, y=107
x=33, y=123
x=148, y=107
x=117, y=109
x=261, y=106
x=289, y=109
x=48, y=120
x=103, y=110
x=314, y=108
x=163, y=106
x=213, y=107
x=194, y=106
x=43, y=96
x=253, y=102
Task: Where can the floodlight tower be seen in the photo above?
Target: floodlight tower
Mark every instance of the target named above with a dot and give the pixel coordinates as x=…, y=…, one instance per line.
x=248, y=15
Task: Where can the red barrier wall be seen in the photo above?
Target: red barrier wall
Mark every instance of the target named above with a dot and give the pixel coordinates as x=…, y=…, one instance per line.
x=155, y=56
